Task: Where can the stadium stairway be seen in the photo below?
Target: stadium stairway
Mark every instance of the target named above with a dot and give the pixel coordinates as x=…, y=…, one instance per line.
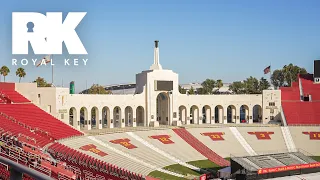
x=200, y=147
x=288, y=139
x=242, y=141
x=162, y=152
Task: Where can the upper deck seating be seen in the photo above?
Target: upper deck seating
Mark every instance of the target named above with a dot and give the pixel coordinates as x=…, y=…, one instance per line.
x=35, y=117
x=301, y=112
x=309, y=87
x=13, y=96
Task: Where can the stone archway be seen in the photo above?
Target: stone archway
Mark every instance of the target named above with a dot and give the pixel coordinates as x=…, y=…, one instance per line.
x=218, y=114
x=257, y=114
x=84, y=116
x=94, y=117
x=128, y=116
x=105, y=116
x=73, y=119
x=244, y=114
x=231, y=114
x=206, y=114
x=194, y=114
x=139, y=116
x=163, y=108
x=117, y=116
x=183, y=114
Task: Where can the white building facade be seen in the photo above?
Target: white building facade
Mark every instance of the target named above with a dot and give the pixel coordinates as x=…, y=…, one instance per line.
x=157, y=101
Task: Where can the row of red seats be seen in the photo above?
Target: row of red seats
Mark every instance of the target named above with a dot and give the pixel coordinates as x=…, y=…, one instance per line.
x=33, y=158
x=290, y=93
x=297, y=113
x=37, y=118
x=90, y=166
x=22, y=133
x=13, y=96
x=4, y=172
x=200, y=147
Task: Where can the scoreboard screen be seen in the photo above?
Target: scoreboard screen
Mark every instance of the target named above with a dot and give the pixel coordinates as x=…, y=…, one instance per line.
x=163, y=85
x=316, y=72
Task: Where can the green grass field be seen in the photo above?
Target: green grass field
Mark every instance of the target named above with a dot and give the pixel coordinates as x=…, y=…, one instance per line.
x=317, y=158
x=187, y=172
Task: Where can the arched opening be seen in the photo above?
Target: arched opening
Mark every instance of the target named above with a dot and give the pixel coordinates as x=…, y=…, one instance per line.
x=73, y=117
x=117, y=116
x=218, y=114
x=244, y=114
x=105, y=116
x=206, y=114
x=163, y=108
x=94, y=117
x=139, y=116
x=83, y=116
x=194, y=114
x=183, y=114
x=128, y=116
x=257, y=114
x=231, y=114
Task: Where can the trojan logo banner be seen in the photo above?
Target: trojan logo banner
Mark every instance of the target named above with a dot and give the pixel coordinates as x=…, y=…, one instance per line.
x=92, y=148
x=313, y=135
x=124, y=142
x=262, y=135
x=215, y=136
x=289, y=168
x=165, y=139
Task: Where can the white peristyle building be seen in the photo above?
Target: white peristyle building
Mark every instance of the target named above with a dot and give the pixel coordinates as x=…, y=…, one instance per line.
x=156, y=101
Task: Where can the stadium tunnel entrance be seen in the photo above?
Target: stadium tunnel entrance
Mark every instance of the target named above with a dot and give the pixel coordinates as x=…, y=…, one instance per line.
x=163, y=108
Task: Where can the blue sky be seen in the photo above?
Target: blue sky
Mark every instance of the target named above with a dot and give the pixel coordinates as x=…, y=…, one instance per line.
x=199, y=39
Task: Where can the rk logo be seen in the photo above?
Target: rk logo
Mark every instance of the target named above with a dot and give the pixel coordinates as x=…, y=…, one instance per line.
x=46, y=32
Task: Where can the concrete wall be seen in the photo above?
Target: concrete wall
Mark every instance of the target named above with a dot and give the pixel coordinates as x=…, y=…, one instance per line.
x=176, y=109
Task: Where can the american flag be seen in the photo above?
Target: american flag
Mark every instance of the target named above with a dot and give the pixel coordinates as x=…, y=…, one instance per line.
x=267, y=70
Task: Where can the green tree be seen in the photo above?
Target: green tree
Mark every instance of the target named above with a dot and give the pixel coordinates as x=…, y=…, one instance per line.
x=277, y=78
x=20, y=73
x=191, y=91
x=219, y=83
x=251, y=85
x=263, y=85
x=208, y=86
x=201, y=91
x=97, y=89
x=182, y=90
x=4, y=71
x=41, y=82
x=237, y=87
x=291, y=73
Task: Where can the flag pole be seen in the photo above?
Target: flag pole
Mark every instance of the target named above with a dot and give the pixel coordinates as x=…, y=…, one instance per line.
x=270, y=73
x=52, y=69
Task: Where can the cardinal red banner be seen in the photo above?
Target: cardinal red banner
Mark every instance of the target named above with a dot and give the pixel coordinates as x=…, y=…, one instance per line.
x=288, y=168
x=165, y=139
x=124, y=142
x=262, y=135
x=215, y=136
x=92, y=148
x=313, y=135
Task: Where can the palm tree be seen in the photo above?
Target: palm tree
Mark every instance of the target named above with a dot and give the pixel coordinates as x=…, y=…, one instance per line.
x=20, y=73
x=219, y=83
x=4, y=71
